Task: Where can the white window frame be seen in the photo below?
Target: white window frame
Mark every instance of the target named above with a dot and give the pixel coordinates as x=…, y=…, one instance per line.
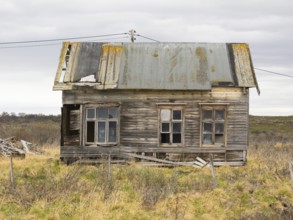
x=107, y=121
x=213, y=121
x=171, y=121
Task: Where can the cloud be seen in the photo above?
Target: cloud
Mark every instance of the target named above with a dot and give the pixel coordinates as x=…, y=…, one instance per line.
x=265, y=25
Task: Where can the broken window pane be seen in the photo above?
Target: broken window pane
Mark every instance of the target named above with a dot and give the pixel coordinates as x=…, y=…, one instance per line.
x=219, y=128
x=90, y=129
x=165, y=138
x=102, y=112
x=177, y=127
x=165, y=127
x=165, y=114
x=207, y=138
x=207, y=114
x=90, y=113
x=220, y=114
x=207, y=127
x=176, y=138
x=219, y=138
x=101, y=132
x=176, y=114
x=113, y=112
x=112, y=131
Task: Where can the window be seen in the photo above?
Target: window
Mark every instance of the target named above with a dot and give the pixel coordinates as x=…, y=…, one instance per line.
x=213, y=125
x=102, y=125
x=170, y=126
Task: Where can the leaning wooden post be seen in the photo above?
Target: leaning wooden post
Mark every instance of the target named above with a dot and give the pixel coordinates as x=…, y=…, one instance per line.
x=291, y=172
x=11, y=173
x=109, y=166
x=213, y=171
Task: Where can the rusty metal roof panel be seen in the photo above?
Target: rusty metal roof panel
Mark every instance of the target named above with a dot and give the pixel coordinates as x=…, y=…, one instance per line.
x=166, y=66
x=243, y=66
x=174, y=66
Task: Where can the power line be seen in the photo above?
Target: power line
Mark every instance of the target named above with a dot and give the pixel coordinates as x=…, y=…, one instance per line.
x=147, y=38
x=35, y=45
x=281, y=74
x=42, y=45
x=60, y=39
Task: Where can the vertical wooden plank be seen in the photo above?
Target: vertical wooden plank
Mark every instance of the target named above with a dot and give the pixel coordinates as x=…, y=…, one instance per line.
x=213, y=171
x=61, y=61
x=72, y=58
x=291, y=173
x=81, y=134
x=11, y=173
x=109, y=167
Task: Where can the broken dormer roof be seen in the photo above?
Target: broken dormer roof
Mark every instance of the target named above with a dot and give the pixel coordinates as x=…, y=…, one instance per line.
x=156, y=66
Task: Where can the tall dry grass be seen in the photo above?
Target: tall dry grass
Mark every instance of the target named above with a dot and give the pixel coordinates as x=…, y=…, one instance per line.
x=48, y=189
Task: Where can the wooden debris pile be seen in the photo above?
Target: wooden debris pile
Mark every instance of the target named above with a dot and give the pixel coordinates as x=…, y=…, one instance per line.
x=15, y=147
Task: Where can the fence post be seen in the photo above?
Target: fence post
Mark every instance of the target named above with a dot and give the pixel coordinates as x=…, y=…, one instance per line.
x=12, y=186
x=213, y=171
x=109, y=166
x=291, y=172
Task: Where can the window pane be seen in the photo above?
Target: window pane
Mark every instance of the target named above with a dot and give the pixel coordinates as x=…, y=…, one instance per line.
x=90, y=113
x=101, y=132
x=90, y=129
x=207, y=114
x=219, y=128
x=113, y=112
x=102, y=112
x=176, y=114
x=165, y=114
x=177, y=127
x=165, y=138
x=165, y=127
x=176, y=138
x=112, y=131
x=207, y=138
x=207, y=127
x=220, y=114
x=219, y=138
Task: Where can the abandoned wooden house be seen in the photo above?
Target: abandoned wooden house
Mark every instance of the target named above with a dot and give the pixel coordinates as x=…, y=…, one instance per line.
x=174, y=101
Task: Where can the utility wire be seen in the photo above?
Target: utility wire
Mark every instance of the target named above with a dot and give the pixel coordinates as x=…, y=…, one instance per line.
x=273, y=72
x=42, y=45
x=97, y=36
x=147, y=38
x=35, y=45
x=60, y=39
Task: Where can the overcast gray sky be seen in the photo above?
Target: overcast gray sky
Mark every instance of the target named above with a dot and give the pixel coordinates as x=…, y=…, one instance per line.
x=27, y=73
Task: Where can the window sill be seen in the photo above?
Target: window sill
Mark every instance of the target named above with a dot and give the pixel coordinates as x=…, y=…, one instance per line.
x=107, y=145
x=101, y=145
x=214, y=145
x=171, y=145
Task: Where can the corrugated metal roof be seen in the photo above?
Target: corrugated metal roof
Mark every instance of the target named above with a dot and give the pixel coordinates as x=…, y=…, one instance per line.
x=166, y=66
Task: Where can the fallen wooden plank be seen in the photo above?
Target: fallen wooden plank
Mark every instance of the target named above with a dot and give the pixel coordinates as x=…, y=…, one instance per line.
x=150, y=164
x=89, y=161
x=199, y=163
x=201, y=160
x=232, y=163
x=159, y=160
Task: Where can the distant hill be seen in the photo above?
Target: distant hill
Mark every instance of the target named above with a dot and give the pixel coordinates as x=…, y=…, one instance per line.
x=36, y=128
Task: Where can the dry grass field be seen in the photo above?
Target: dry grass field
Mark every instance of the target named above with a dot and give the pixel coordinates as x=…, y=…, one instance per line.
x=47, y=189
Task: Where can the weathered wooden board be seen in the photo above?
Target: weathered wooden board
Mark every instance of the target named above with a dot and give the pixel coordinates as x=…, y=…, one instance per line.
x=139, y=114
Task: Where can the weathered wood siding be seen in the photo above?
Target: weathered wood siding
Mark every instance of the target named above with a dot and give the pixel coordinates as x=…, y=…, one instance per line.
x=71, y=126
x=139, y=121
